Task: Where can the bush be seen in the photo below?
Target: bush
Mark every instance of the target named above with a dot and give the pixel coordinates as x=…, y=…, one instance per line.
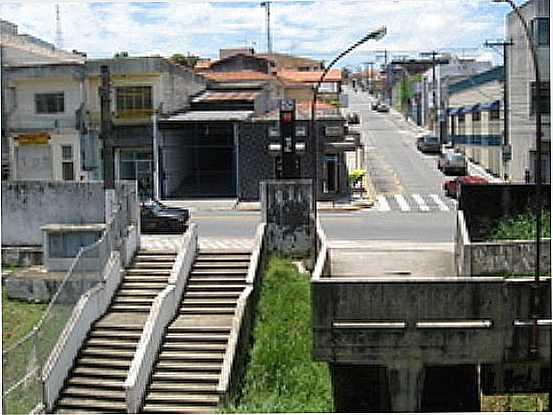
x=521, y=227
x=281, y=375
x=355, y=176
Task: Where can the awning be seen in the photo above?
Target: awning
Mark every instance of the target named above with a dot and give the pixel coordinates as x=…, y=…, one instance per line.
x=341, y=146
x=454, y=111
x=490, y=106
x=469, y=109
x=202, y=116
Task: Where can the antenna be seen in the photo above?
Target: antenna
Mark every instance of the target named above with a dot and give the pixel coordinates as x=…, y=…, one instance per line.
x=59, y=37
x=267, y=5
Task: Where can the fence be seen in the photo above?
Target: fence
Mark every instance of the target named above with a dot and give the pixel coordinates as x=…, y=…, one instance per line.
x=22, y=363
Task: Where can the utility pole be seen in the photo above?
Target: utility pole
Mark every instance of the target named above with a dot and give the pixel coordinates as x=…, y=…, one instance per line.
x=59, y=37
x=434, y=117
x=504, y=44
x=106, y=137
x=267, y=5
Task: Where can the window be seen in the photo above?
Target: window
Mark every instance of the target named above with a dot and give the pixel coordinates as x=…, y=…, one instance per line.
x=476, y=116
x=330, y=185
x=51, y=103
x=134, y=99
x=67, y=169
x=545, y=96
x=540, y=31
x=461, y=118
x=494, y=115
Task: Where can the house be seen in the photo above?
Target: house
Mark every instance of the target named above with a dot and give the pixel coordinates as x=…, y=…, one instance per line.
x=521, y=86
x=475, y=119
x=140, y=86
x=22, y=50
x=283, y=61
x=299, y=85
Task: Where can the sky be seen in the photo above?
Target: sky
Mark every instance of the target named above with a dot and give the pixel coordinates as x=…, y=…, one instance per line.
x=316, y=29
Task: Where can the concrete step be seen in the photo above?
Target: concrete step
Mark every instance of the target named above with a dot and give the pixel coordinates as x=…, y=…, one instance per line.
x=183, y=387
x=185, y=376
x=196, y=337
x=220, y=252
x=217, y=271
x=207, y=310
x=202, y=286
x=199, y=329
x=209, y=302
x=125, y=308
x=113, y=343
x=217, y=279
x=212, y=294
x=115, y=334
x=197, y=367
x=198, y=346
x=163, y=408
x=146, y=276
x=182, y=398
x=107, y=352
x=139, y=272
x=99, y=405
x=108, y=363
x=83, y=381
x=168, y=265
x=192, y=356
x=139, y=285
x=102, y=372
x=133, y=300
x=144, y=292
x=96, y=392
x=202, y=265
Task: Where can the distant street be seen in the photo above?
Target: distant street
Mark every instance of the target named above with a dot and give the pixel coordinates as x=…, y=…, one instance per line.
x=410, y=205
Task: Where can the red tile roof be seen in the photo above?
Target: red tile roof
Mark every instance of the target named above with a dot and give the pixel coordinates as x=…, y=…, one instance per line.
x=210, y=96
x=334, y=75
x=236, y=76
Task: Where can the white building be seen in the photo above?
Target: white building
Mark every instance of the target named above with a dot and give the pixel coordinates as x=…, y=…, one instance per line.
x=521, y=81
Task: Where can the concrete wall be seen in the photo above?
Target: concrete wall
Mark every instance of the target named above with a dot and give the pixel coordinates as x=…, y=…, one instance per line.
x=287, y=209
x=28, y=205
x=520, y=73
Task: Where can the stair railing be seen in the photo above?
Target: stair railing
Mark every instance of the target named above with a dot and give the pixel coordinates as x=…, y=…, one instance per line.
x=162, y=312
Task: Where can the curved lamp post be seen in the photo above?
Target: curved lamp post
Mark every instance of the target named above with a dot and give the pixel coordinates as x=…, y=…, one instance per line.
x=375, y=35
x=538, y=176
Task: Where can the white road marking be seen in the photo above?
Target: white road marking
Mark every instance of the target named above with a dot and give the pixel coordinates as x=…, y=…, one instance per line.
x=403, y=205
x=420, y=201
x=383, y=205
x=443, y=207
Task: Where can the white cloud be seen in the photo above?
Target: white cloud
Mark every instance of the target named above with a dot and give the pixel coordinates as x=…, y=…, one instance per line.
x=320, y=29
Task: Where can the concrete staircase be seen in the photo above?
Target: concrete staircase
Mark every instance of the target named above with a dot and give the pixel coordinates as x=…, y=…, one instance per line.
x=186, y=374
x=95, y=383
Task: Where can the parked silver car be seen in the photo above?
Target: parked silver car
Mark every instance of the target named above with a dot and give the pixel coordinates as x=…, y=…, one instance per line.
x=452, y=162
x=428, y=144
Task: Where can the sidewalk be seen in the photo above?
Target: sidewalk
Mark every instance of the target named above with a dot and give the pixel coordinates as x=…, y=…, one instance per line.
x=473, y=168
x=340, y=206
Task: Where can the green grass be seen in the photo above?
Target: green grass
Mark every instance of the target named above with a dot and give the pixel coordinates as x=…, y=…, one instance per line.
x=18, y=319
x=281, y=375
x=521, y=227
x=515, y=402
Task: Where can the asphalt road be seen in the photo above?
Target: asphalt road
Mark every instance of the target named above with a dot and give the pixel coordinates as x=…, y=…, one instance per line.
x=411, y=205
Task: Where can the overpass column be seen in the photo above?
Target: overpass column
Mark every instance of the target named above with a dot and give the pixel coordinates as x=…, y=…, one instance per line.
x=405, y=385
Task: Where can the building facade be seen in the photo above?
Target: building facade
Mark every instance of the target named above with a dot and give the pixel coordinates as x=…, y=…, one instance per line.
x=475, y=120
x=522, y=83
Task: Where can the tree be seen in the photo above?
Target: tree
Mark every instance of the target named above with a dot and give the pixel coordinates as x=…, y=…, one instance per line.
x=121, y=55
x=188, y=60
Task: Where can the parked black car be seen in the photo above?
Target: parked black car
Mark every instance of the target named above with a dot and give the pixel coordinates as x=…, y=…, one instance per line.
x=155, y=217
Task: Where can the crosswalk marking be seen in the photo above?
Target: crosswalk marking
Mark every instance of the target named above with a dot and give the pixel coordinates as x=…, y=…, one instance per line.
x=413, y=202
x=383, y=205
x=443, y=207
x=422, y=204
x=403, y=205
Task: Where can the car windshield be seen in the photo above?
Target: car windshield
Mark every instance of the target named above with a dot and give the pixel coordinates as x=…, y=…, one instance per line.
x=457, y=157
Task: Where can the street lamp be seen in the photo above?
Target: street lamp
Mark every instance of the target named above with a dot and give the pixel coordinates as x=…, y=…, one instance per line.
x=538, y=177
x=375, y=35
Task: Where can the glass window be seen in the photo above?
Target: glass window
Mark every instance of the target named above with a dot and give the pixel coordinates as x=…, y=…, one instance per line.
x=540, y=31
x=134, y=98
x=68, y=172
x=494, y=115
x=476, y=116
x=545, y=95
x=51, y=103
x=67, y=152
x=461, y=118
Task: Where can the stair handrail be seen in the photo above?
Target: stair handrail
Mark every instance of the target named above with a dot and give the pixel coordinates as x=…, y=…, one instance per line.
x=256, y=254
x=322, y=258
x=162, y=312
